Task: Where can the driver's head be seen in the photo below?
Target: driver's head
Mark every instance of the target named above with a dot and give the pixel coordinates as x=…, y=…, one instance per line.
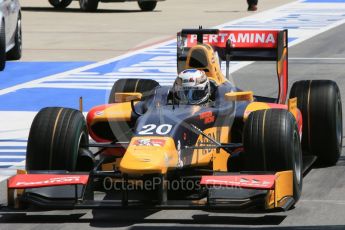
x=192, y=87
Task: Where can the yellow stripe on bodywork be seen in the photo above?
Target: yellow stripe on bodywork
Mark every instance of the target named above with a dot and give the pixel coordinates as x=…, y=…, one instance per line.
x=127, y=97
x=254, y=106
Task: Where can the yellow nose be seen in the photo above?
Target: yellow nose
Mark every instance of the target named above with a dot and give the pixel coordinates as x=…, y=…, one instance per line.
x=147, y=155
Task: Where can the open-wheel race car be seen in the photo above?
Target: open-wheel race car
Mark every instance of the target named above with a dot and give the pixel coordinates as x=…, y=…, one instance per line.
x=152, y=149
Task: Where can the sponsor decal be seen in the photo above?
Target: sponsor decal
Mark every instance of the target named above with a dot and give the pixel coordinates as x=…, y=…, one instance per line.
x=45, y=180
x=207, y=117
x=203, y=141
x=242, y=181
x=149, y=142
x=240, y=39
x=55, y=180
x=99, y=113
x=209, y=120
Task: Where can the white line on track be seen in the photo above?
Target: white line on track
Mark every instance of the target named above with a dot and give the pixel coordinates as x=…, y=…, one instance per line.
x=10, y=143
x=12, y=157
x=77, y=70
x=314, y=58
x=13, y=150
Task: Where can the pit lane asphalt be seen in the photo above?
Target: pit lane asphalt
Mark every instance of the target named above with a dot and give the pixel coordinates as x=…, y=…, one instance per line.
x=322, y=205
x=117, y=28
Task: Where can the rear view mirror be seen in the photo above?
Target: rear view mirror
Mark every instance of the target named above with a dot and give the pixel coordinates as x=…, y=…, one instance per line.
x=239, y=96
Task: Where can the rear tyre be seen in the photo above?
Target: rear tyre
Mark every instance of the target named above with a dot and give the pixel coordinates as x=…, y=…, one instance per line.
x=271, y=143
x=2, y=47
x=60, y=4
x=88, y=5
x=320, y=104
x=147, y=5
x=123, y=130
x=16, y=52
x=144, y=86
x=56, y=137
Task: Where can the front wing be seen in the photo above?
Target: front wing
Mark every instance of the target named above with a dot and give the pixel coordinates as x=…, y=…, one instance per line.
x=225, y=190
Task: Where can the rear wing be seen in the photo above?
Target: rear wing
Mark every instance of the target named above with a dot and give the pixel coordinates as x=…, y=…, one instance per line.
x=240, y=45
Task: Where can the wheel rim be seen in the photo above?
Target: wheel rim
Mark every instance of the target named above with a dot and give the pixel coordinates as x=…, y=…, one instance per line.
x=297, y=162
x=19, y=34
x=339, y=123
x=83, y=3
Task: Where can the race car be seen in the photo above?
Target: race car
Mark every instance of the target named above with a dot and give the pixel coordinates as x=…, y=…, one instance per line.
x=10, y=31
x=151, y=149
x=92, y=5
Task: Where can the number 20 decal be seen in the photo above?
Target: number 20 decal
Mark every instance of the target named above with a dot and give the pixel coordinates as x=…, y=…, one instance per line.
x=154, y=129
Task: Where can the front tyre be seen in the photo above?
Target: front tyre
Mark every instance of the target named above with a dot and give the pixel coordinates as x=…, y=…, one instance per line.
x=147, y=5
x=57, y=136
x=271, y=143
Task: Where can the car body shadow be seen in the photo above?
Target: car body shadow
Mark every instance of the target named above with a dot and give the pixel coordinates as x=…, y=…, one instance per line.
x=102, y=218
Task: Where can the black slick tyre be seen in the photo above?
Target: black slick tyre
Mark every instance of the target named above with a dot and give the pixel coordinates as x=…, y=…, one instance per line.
x=320, y=104
x=56, y=137
x=60, y=4
x=144, y=86
x=147, y=5
x=16, y=52
x=88, y=5
x=271, y=143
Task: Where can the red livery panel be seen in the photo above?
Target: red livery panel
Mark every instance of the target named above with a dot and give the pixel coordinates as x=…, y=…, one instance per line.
x=22, y=181
x=238, y=38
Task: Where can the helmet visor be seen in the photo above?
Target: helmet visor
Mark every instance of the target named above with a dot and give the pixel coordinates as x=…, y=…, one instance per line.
x=191, y=96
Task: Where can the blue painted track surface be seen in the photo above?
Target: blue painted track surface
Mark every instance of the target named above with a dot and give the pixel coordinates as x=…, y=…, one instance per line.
x=20, y=72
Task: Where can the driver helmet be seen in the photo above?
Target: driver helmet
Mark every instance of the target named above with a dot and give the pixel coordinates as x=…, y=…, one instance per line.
x=192, y=87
